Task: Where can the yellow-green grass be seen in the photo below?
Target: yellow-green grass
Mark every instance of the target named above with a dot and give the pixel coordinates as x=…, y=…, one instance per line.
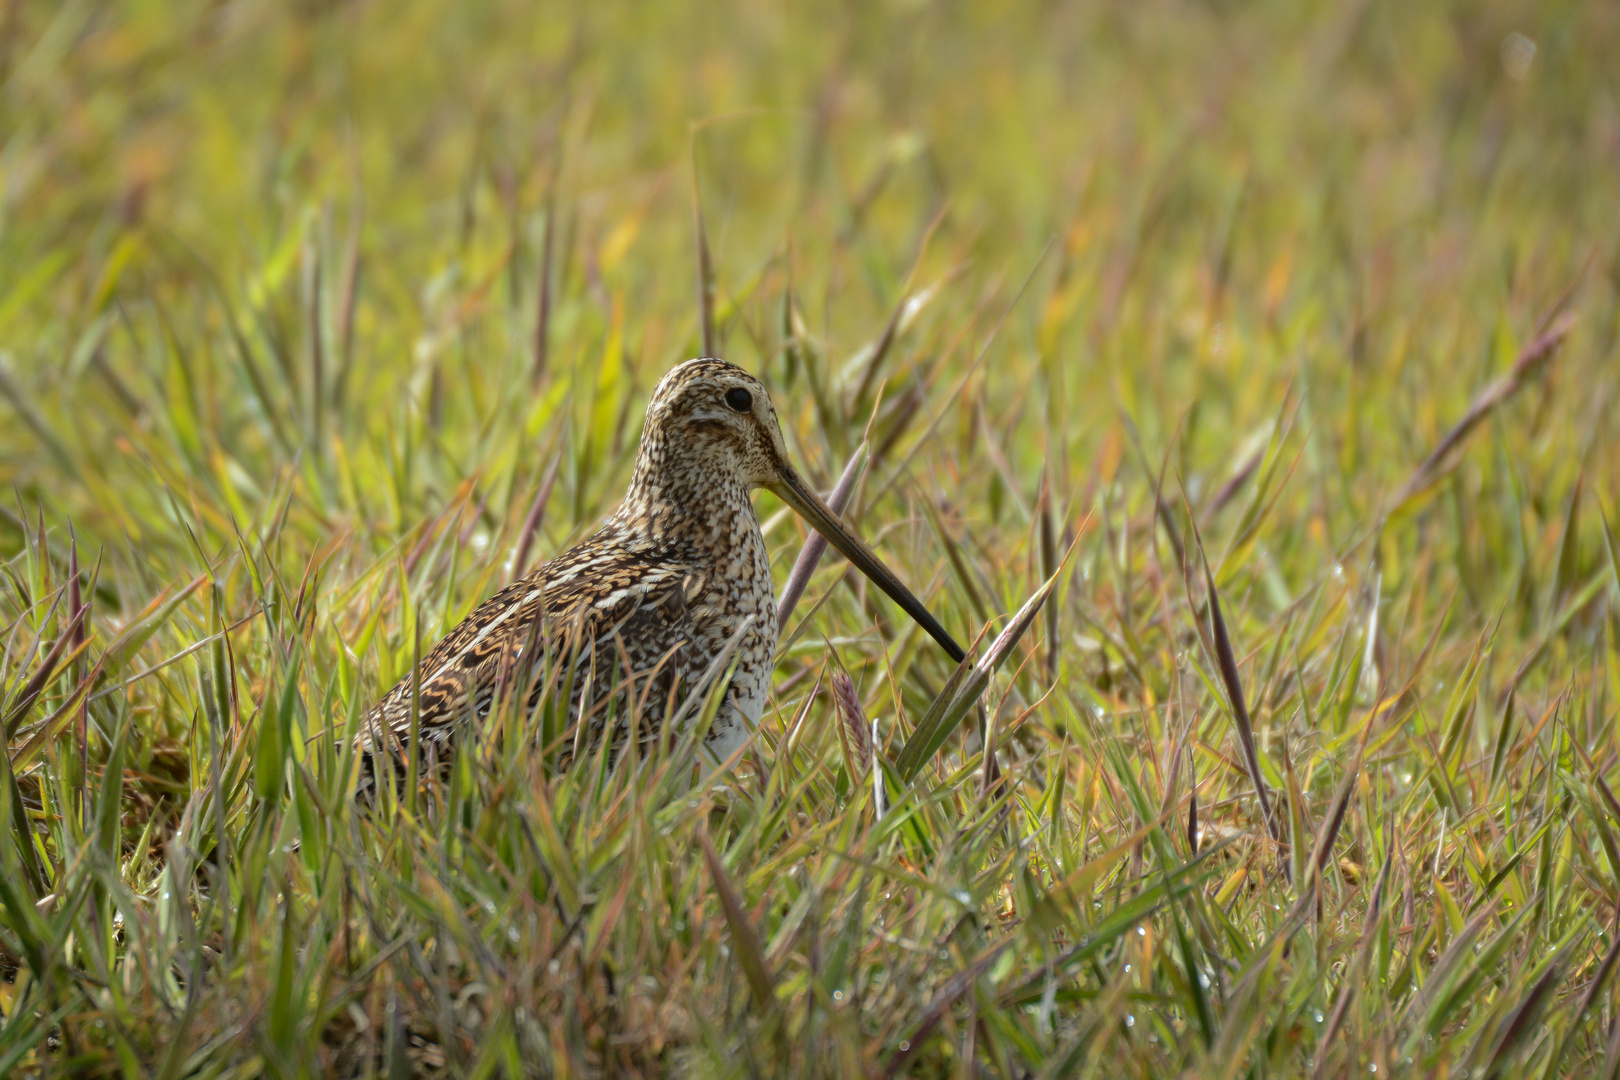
x=1198, y=289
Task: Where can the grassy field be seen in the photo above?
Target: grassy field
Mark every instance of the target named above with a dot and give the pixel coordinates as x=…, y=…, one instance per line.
x=1280, y=339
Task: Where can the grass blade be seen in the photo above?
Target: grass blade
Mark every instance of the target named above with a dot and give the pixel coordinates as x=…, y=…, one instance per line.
x=1230, y=679
x=951, y=705
x=743, y=936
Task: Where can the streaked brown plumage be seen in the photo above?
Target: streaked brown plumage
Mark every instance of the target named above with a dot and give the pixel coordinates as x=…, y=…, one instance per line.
x=677, y=573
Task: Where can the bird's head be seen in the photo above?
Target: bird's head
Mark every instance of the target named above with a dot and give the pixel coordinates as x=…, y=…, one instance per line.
x=710, y=421
x=711, y=416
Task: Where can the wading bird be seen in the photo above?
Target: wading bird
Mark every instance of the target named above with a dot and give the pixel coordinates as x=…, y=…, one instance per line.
x=677, y=582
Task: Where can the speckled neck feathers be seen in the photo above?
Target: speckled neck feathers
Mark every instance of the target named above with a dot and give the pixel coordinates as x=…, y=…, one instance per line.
x=681, y=489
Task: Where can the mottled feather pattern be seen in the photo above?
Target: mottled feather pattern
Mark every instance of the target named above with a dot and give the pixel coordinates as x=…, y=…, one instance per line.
x=661, y=589
x=621, y=595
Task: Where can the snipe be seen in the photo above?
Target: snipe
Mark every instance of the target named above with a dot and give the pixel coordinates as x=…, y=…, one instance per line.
x=678, y=576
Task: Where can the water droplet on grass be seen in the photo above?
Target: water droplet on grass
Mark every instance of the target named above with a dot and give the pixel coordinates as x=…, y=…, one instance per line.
x=1517, y=53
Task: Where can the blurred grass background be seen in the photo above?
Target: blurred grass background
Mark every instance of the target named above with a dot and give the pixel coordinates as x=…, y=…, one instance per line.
x=275, y=389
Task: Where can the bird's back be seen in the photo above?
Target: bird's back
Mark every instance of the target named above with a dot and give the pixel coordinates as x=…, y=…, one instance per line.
x=609, y=617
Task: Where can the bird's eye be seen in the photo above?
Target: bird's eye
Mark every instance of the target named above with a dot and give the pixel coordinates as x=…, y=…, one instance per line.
x=739, y=399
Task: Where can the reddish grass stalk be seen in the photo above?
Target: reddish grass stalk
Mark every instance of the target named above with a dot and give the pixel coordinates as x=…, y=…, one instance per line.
x=1531, y=358
x=542, y=322
x=537, y=513
x=80, y=622
x=816, y=545
x=705, y=265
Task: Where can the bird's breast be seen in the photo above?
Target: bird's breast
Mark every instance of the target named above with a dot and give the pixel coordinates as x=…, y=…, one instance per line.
x=737, y=589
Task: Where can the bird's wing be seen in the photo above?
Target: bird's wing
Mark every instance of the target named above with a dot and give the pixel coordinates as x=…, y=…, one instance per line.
x=597, y=601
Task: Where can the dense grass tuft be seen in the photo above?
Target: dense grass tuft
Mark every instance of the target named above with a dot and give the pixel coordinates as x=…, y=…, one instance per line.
x=1238, y=377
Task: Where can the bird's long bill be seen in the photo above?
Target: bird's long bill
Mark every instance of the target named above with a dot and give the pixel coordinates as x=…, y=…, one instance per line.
x=792, y=490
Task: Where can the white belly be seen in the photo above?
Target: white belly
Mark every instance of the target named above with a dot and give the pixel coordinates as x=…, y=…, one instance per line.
x=734, y=724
